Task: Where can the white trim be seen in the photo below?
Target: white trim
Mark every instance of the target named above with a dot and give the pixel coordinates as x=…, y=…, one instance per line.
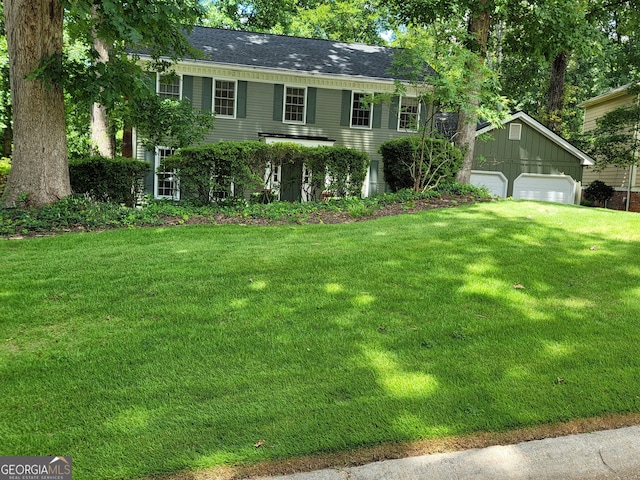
x=235, y=98
x=284, y=76
x=610, y=95
x=360, y=127
x=304, y=105
x=156, y=164
x=417, y=127
x=585, y=159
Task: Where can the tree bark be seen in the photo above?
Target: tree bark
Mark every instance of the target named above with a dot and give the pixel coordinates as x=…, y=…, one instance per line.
x=465, y=138
x=102, y=142
x=555, y=97
x=39, y=171
x=7, y=135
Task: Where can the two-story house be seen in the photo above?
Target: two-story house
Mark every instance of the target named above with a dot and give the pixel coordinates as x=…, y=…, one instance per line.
x=278, y=88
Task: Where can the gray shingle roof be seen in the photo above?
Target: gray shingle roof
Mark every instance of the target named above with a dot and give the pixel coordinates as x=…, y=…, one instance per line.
x=294, y=53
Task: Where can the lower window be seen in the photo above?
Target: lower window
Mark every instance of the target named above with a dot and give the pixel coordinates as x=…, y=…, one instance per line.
x=166, y=184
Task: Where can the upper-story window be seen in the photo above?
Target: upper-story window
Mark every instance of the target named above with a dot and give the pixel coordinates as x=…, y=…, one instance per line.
x=361, y=111
x=224, y=98
x=409, y=114
x=295, y=104
x=169, y=86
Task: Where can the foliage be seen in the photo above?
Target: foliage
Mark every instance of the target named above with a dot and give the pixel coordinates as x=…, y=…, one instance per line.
x=171, y=123
x=616, y=138
x=218, y=170
x=419, y=163
x=115, y=180
x=340, y=170
x=598, y=191
x=5, y=168
x=231, y=169
x=81, y=212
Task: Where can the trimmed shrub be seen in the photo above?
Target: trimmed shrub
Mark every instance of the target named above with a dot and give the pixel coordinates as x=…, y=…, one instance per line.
x=219, y=170
x=117, y=180
x=209, y=173
x=408, y=163
x=598, y=191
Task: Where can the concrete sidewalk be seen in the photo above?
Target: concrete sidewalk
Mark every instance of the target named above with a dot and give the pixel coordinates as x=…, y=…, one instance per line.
x=610, y=454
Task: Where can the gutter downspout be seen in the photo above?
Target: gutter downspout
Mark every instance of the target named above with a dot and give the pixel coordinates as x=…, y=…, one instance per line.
x=633, y=169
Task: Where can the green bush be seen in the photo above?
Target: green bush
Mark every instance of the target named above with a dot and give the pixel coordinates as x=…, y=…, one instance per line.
x=598, y=191
x=219, y=170
x=209, y=173
x=5, y=168
x=419, y=163
x=117, y=180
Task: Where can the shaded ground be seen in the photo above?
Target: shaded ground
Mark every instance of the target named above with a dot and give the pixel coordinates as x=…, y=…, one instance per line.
x=394, y=451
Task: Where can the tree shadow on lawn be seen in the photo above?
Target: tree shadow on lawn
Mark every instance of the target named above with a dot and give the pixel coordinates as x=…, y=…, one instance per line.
x=363, y=362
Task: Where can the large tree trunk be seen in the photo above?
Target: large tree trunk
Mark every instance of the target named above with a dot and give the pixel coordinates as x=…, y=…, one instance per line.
x=465, y=138
x=39, y=171
x=102, y=141
x=555, y=96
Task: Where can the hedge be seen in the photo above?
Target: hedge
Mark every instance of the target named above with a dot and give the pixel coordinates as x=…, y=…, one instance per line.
x=118, y=180
x=232, y=169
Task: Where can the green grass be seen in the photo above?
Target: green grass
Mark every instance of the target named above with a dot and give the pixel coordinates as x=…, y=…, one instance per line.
x=147, y=351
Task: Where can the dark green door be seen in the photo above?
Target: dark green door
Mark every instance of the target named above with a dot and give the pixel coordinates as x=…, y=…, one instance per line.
x=291, y=183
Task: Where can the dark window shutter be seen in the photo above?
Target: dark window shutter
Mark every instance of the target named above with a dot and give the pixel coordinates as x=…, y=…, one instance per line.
x=394, y=111
x=187, y=88
x=345, y=110
x=207, y=93
x=311, y=104
x=377, y=114
x=424, y=114
x=150, y=79
x=241, y=98
x=278, y=99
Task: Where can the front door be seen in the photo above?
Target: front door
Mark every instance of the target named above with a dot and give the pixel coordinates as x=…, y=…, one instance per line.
x=291, y=183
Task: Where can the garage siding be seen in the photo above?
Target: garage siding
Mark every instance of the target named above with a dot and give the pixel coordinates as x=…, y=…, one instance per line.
x=533, y=153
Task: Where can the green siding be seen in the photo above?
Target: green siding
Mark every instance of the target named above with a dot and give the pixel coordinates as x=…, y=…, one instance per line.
x=533, y=153
x=207, y=94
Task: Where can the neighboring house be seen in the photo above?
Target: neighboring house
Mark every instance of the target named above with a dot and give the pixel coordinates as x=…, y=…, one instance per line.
x=276, y=88
x=624, y=180
x=526, y=160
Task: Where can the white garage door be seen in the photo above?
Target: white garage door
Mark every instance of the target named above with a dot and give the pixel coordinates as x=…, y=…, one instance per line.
x=547, y=188
x=495, y=182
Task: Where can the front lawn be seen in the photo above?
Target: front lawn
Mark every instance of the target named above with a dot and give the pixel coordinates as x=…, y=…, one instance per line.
x=149, y=351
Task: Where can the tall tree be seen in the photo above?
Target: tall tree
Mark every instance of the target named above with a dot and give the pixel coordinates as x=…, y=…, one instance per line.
x=475, y=19
x=35, y=33
x=39, y=169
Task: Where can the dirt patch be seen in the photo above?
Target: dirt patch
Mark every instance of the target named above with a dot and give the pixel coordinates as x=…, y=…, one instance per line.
x=394, y=451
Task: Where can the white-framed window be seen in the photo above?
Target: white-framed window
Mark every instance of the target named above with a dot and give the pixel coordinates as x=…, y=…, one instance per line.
x=169, y=86
x=361, y=111
x=224, y=98
x=515, y=131
x=409, y=114
x=295, y=104
x=166, y=182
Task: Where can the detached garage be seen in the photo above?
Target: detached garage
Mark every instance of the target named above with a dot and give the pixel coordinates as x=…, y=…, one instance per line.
x=526, y=160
